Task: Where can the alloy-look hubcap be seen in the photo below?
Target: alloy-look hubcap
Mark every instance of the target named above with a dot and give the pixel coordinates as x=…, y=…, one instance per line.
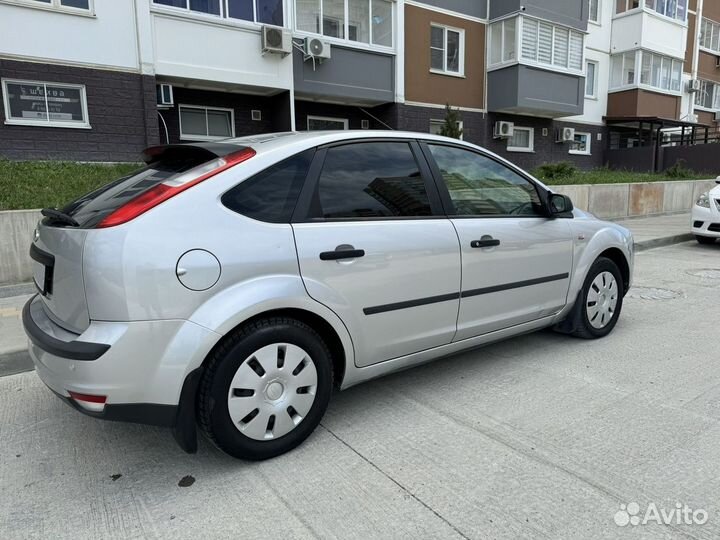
x=602, y=300
x=272, y=391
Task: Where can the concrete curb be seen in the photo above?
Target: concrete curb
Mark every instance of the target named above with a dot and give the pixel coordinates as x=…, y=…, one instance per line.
x=664, y=241
x=15, y=362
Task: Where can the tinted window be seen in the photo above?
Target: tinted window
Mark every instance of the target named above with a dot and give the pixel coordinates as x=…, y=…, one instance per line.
x=371, y=180
x=481, y=186
x=272, y=194
x=90, y=209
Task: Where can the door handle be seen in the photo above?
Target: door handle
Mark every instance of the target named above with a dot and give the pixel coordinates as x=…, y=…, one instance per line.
x=342, y=252
x=485, y=242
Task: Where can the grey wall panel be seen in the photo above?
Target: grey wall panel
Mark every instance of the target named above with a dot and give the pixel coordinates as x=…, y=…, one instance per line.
x=572, y=13
x=502, y=89
x=551, y=91
x=350, y=76
x=523, y=90
x=474, y=8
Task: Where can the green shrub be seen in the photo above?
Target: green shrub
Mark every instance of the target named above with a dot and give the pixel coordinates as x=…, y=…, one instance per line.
x=555, y=171
x=679, y=170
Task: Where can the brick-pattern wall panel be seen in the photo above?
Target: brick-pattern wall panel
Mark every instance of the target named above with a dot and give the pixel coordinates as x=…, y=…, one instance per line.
x=411, y=118
x=242, y=105
x=117, y=109
x=354, y=115
x=546, y=150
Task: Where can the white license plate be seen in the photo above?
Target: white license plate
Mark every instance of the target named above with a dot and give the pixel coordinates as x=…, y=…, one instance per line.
x=39, y=276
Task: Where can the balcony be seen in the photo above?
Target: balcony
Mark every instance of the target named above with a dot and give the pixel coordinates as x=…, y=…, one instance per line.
x=647, y=29
x=521, y=89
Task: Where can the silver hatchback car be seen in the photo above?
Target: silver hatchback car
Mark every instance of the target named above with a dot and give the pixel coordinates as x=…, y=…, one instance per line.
x=233, y=285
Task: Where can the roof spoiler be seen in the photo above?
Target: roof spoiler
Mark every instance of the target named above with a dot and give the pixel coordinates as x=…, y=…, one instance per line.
x=210, y=150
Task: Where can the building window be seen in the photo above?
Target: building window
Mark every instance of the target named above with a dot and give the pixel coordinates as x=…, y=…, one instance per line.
x=62, y=5
x=206, y=123
x=582, y=144
x=447, y=50
x=324, y=123
x=259, y=11
x=594, y=13
x=675, y=9
x=359, y=21
x=709, y=96
x=551, y=45
x=710, y=35
x=437, y=125
x=661, y=72
x=656, y=71
x=523, y=140
x=626, y=5
x=503, y=42
x=591, y=68
x=34, y=103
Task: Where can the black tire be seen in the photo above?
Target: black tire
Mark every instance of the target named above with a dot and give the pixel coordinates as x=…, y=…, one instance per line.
x=704, y=239
x=581, y=325
x=213, y=415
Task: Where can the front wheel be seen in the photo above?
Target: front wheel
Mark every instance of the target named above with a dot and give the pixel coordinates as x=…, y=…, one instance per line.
x=704, y=239
x=600, y=300
x=265, y=388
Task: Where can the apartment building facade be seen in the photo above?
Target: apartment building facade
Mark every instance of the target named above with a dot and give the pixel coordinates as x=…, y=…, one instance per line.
x=534, y=80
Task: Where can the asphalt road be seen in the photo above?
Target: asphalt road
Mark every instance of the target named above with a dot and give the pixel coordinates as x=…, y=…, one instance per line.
x=543, y=436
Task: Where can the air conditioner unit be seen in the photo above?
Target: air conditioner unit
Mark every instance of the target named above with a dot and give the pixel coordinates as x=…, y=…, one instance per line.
x=693, y=118
x=694, y=85
x=566, y=135
x=717, y=61
x=316, y=48
x=503, y=130
x=717, y=116
x=165, y=95
x=276, y=40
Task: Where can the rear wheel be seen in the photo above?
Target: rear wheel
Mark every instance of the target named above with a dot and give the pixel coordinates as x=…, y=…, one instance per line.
x=265, y=389
x=704, y=239
x=600, y=301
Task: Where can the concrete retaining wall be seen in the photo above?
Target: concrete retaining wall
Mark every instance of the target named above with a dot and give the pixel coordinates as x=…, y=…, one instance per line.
x=617, y=201
x=609, y=201
x=16, y=229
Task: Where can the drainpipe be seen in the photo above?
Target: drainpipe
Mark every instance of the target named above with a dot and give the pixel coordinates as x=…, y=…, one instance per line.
x=696, y=51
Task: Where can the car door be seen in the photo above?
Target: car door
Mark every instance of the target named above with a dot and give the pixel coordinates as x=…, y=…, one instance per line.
x=516, y=262
x=374, y=246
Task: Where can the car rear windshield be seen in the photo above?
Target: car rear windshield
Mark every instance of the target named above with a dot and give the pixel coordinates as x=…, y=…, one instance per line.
x=91, y=209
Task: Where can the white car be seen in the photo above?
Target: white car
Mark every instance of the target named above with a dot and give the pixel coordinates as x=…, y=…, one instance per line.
x=232, y=285
x=706, y=216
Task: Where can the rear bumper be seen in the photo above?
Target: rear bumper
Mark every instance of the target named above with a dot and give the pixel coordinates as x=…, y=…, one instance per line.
x=138, y=413
x=141, y=372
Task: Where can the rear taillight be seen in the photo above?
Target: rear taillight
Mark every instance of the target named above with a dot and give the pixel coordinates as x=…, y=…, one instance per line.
x=88, y=401
x=177, y=184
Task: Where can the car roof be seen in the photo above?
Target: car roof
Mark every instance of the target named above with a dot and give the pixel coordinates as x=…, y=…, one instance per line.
x=318, y=138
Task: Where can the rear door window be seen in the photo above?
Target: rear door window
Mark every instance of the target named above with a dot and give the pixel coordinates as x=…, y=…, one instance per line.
x=271, y=195
x=371, y=180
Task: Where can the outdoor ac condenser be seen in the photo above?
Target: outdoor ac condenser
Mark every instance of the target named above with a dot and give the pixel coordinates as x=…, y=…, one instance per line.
x=276, y=40
x=503, y=130
x=566, y=135
x=316, y=48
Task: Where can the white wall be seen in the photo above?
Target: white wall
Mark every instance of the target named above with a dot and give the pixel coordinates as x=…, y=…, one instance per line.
x=193, y=47
x=597, y=48
x=648, y=30
x=107, y=39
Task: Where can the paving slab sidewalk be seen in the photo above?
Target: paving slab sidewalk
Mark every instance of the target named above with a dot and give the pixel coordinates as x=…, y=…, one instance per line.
x=649, y=233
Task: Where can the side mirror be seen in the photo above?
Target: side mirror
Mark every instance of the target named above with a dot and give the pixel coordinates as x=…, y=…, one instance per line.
x=717, y=180
x=559, y=204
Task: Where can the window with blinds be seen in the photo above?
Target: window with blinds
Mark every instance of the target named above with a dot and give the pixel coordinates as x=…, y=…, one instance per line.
x=551, y=45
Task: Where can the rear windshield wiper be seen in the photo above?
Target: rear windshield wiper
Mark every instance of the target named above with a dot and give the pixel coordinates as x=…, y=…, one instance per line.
x=56, y=216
